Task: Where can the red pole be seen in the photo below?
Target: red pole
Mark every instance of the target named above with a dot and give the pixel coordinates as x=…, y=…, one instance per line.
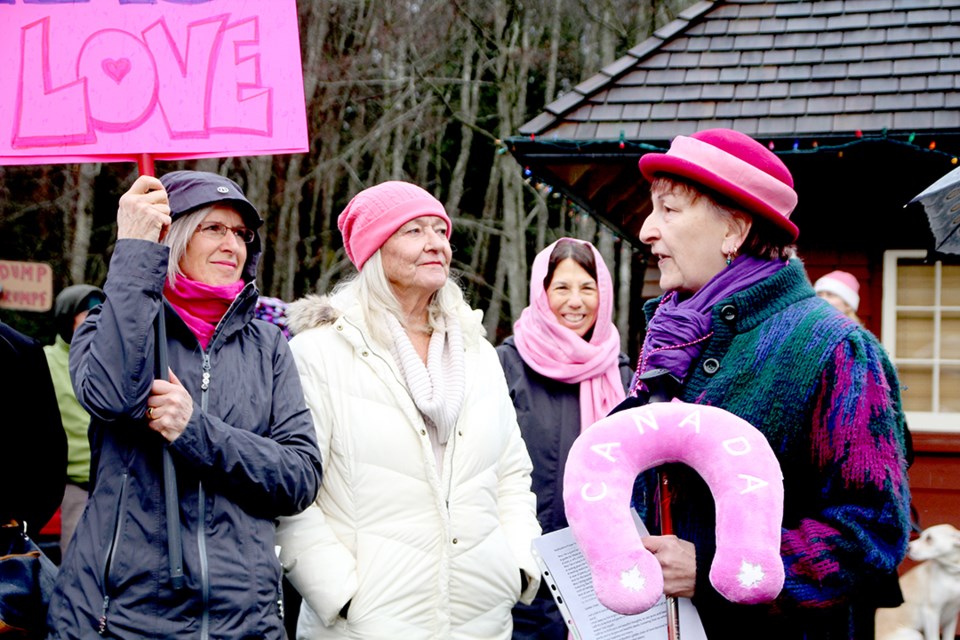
x=666, y=519
x=666, y=529
x=145, y=165
x=171, y=498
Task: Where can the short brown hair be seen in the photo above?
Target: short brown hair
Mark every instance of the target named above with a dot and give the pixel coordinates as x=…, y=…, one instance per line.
x=764, y=240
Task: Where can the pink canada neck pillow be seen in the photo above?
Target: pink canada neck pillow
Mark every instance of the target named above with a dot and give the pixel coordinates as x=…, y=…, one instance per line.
x=734, y=459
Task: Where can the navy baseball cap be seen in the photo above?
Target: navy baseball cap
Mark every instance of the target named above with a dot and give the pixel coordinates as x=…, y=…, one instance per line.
x=188, y=191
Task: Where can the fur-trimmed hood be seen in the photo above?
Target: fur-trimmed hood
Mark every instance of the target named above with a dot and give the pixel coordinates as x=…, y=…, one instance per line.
x=311, y=311
x=315, y=310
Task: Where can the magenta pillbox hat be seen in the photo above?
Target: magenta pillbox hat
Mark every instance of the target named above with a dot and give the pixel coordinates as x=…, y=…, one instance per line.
x=374, y=214
x=735, y=166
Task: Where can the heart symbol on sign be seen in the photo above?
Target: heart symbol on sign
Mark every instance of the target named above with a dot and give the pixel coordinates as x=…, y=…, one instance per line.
x=116, y=69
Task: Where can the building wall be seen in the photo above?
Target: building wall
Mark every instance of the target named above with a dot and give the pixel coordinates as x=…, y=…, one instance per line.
x=935, y=473
x=935, y=481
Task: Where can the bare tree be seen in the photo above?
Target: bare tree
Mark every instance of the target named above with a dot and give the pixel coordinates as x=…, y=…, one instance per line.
x=77, y=235
x=422, y=91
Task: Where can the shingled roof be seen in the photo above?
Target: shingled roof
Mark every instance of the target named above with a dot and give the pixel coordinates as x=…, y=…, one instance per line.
x=799, y=74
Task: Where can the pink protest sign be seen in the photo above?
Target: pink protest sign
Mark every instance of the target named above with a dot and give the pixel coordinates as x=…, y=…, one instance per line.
x=109, y=80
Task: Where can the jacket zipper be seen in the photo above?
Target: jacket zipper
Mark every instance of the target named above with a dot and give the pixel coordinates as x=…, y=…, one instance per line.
x=401, y=383
x=204, y=575
x=108, y=561
x=201, y=528
x=202, y=516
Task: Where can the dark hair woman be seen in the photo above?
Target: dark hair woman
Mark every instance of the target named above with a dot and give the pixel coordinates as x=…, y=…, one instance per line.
x=564, y=370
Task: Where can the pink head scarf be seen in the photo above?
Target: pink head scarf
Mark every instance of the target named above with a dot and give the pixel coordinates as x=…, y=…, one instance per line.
x=556, y=352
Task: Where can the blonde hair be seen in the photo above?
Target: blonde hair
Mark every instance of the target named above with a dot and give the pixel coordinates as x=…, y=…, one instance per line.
x=373, y=292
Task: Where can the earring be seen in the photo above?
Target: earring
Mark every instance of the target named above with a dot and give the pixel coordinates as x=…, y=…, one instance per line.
x=729, y=259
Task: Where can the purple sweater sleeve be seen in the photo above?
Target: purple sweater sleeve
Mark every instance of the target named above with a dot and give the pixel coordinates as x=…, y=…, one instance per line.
x=860, y=529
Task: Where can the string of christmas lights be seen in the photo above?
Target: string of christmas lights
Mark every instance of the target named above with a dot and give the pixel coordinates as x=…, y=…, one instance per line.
x=794, y=148
x=573, y=209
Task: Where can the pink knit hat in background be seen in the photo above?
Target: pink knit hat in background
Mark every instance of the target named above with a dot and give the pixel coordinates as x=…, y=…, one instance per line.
x=842, y=284
x=374, y=214
x=735, y=166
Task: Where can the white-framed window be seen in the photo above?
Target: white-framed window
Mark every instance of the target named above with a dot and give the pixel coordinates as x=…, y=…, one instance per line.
x=921, y=332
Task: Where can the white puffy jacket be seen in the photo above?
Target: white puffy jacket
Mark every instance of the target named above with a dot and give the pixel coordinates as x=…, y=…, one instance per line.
x=417, y=554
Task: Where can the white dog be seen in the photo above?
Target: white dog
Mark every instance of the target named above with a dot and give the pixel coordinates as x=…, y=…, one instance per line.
x=931, y=590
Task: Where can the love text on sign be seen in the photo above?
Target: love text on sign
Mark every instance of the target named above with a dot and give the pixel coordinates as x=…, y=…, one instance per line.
x=111, y=79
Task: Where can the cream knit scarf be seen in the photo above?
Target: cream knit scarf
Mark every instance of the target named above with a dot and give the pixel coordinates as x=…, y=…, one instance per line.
x=437, y=388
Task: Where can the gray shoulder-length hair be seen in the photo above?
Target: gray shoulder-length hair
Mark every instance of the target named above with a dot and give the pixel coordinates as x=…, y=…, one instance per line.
x=375, y=296
x=178, y=237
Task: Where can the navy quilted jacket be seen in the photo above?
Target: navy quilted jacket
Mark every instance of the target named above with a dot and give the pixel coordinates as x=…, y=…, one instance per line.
x=247, y=456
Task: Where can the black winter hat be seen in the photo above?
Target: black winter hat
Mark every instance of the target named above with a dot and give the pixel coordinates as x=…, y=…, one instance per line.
x=71, y=301
x=188, y=191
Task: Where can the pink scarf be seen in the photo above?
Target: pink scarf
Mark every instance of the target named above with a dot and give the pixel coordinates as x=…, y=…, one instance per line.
x=201, y=306
x=556, y=352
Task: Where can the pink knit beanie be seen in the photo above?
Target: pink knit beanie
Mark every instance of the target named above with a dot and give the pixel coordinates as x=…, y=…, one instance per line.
x=842, y=284
x=374, y=214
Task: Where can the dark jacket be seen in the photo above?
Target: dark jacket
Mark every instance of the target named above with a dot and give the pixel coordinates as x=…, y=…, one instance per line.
x=247, y=456
x=549, y=415
x=548, y=412
x=35, y=465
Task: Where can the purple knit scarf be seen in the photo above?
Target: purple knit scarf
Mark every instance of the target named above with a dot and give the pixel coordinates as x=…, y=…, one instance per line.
x=679, y=329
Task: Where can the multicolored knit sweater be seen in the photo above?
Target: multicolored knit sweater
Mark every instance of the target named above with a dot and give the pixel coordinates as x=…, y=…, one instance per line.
x=824, y=393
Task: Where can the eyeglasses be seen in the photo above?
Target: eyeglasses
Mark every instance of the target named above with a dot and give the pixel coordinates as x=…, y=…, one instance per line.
x=219, y=230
